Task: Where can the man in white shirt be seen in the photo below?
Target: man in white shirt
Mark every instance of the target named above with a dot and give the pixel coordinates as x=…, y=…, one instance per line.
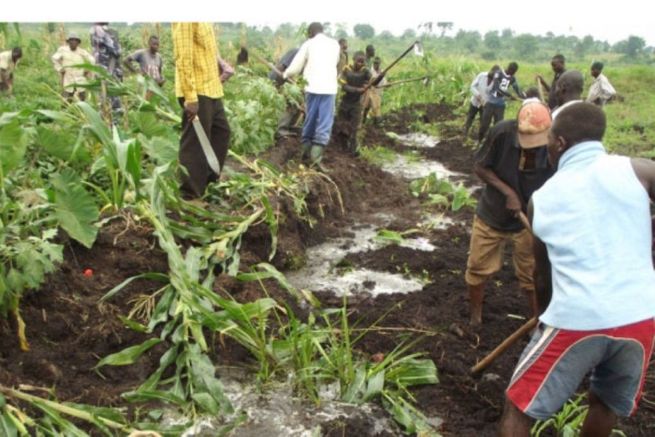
x=8, y=61
x=478, y=96
x=65, y=60
x=601, y=90
x=317, y=58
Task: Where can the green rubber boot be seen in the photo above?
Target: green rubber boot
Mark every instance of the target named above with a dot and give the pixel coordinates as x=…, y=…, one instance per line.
x=306, y=150
x=316, y=155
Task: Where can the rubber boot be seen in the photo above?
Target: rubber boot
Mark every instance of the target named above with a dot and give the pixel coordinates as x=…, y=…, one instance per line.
x=306, y=150
x=316, y=155
x=476, y=296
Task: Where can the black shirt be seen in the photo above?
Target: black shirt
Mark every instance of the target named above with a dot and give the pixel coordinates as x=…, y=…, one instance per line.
x=552, y=96
x=523, y=171
x=351, y=78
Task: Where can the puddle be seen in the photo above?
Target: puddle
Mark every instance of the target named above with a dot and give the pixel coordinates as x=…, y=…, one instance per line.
x=278, y=413
x=410, y=169
x=321, y=273
x=418, y=140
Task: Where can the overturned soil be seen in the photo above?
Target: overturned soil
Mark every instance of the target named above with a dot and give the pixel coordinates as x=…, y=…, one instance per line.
x=70, y=330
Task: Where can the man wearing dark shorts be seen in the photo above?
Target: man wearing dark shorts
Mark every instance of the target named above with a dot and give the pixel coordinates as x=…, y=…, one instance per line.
x=594, y=277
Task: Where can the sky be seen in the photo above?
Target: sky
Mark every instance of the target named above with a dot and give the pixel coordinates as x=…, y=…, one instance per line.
x=569, y=17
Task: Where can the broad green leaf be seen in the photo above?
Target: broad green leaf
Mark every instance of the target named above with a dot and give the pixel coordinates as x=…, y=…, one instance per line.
x=207, y=402
x=128, y=355
x=13, y=143
x=75, y=208
x=7, y=427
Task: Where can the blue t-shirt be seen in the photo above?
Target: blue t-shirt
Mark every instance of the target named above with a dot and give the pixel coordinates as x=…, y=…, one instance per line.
x=593, y=216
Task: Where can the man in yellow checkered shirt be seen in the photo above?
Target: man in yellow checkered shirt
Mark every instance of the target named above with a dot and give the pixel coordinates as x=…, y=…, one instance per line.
x=199, y=91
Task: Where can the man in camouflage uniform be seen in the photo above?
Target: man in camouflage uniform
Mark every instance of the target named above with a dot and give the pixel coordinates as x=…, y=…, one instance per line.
x=107, y=52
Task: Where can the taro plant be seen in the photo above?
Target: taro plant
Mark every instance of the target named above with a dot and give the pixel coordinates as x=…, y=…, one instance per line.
x=568, y=421
x=441, y=192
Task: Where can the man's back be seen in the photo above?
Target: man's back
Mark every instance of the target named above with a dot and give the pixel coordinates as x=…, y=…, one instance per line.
x=594, y=218
x=319, y=56
x=196, y=62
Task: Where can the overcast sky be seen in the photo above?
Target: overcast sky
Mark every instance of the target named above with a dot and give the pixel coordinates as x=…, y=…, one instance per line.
x=570, y=17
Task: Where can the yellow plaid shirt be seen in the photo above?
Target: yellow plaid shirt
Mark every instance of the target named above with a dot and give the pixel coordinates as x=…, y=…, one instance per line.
x=196, y=61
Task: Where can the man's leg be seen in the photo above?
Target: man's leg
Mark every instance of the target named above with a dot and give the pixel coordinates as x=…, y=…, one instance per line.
x=355, y=122
x=191, y=155
x=514, y=423
x=523, y=258
x=309, y=126
x=600, y=419
x=485, y=121
x=473, y=110
x=499, y=114
x=324, y=123
x=220, y=132
x=485, y=259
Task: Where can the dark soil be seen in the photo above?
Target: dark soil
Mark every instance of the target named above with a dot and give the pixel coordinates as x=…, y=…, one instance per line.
x=69, y=330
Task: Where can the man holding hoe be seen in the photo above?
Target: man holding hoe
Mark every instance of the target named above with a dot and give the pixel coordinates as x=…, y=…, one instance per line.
x=594, y=278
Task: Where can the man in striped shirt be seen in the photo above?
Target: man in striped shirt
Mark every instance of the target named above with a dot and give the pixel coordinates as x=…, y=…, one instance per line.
x=199, y=91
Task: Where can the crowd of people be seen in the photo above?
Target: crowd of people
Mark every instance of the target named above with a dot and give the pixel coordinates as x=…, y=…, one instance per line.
x=578, y=218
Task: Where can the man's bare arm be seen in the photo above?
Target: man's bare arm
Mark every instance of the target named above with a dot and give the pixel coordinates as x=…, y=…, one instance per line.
x=542, y=269
x=645, y=171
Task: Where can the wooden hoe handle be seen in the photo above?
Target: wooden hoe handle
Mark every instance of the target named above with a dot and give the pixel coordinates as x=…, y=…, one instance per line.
x=509, y=341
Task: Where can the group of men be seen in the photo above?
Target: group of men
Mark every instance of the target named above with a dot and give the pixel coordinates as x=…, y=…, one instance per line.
x=489, y=92
x=325, y=66
x=69, y=58
x=581, y=227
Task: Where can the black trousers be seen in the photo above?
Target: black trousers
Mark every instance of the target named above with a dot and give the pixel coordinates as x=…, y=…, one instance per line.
x=214, y=122
x=473, y=111
x=349, y=118
x=497, y=113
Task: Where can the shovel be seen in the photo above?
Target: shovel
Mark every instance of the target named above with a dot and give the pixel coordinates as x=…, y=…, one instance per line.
x=516, y=335
x=418, y=51
x=206, y=146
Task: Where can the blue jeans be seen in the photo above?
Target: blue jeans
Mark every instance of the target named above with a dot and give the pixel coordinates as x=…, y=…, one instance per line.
x=318, y=118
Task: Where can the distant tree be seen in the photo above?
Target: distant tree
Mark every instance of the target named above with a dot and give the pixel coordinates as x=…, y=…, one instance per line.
x=51, y=27
x=340, y=33
x=492, y=40
x=444, y=26
x=327, y=28
x=341, y=30
x=506, y=35
x=385, y=35
x=584, y=46
x=409, y=33
x=286, y=30
x=526, y=45
x=632, y=47
x=468, y=40
x=364, y=31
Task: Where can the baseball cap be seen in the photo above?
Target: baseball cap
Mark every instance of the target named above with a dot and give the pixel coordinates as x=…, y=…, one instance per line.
x=534, y=121
x=73, y=35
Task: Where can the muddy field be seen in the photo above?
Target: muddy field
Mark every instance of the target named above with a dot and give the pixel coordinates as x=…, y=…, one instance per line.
x=69, y=330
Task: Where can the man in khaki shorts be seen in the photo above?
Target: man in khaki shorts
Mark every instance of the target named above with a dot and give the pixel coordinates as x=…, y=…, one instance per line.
x=513, y=162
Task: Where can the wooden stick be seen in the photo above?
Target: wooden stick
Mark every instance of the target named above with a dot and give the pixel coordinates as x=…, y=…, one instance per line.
x=524, y=221
x=509, y=341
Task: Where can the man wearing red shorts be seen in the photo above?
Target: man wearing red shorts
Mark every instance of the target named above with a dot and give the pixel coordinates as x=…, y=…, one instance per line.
x=594, y=276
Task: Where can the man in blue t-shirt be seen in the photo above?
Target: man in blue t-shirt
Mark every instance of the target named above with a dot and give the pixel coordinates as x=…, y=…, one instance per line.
x=594, y=280
x=494, y=107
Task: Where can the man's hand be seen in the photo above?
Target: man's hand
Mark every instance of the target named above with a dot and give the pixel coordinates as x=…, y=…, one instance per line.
x=513, y=203
x=541, y=79
x=361, y=90
x=190, y=109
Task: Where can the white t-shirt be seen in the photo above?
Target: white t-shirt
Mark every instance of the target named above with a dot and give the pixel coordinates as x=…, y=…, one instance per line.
x=317, y=58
